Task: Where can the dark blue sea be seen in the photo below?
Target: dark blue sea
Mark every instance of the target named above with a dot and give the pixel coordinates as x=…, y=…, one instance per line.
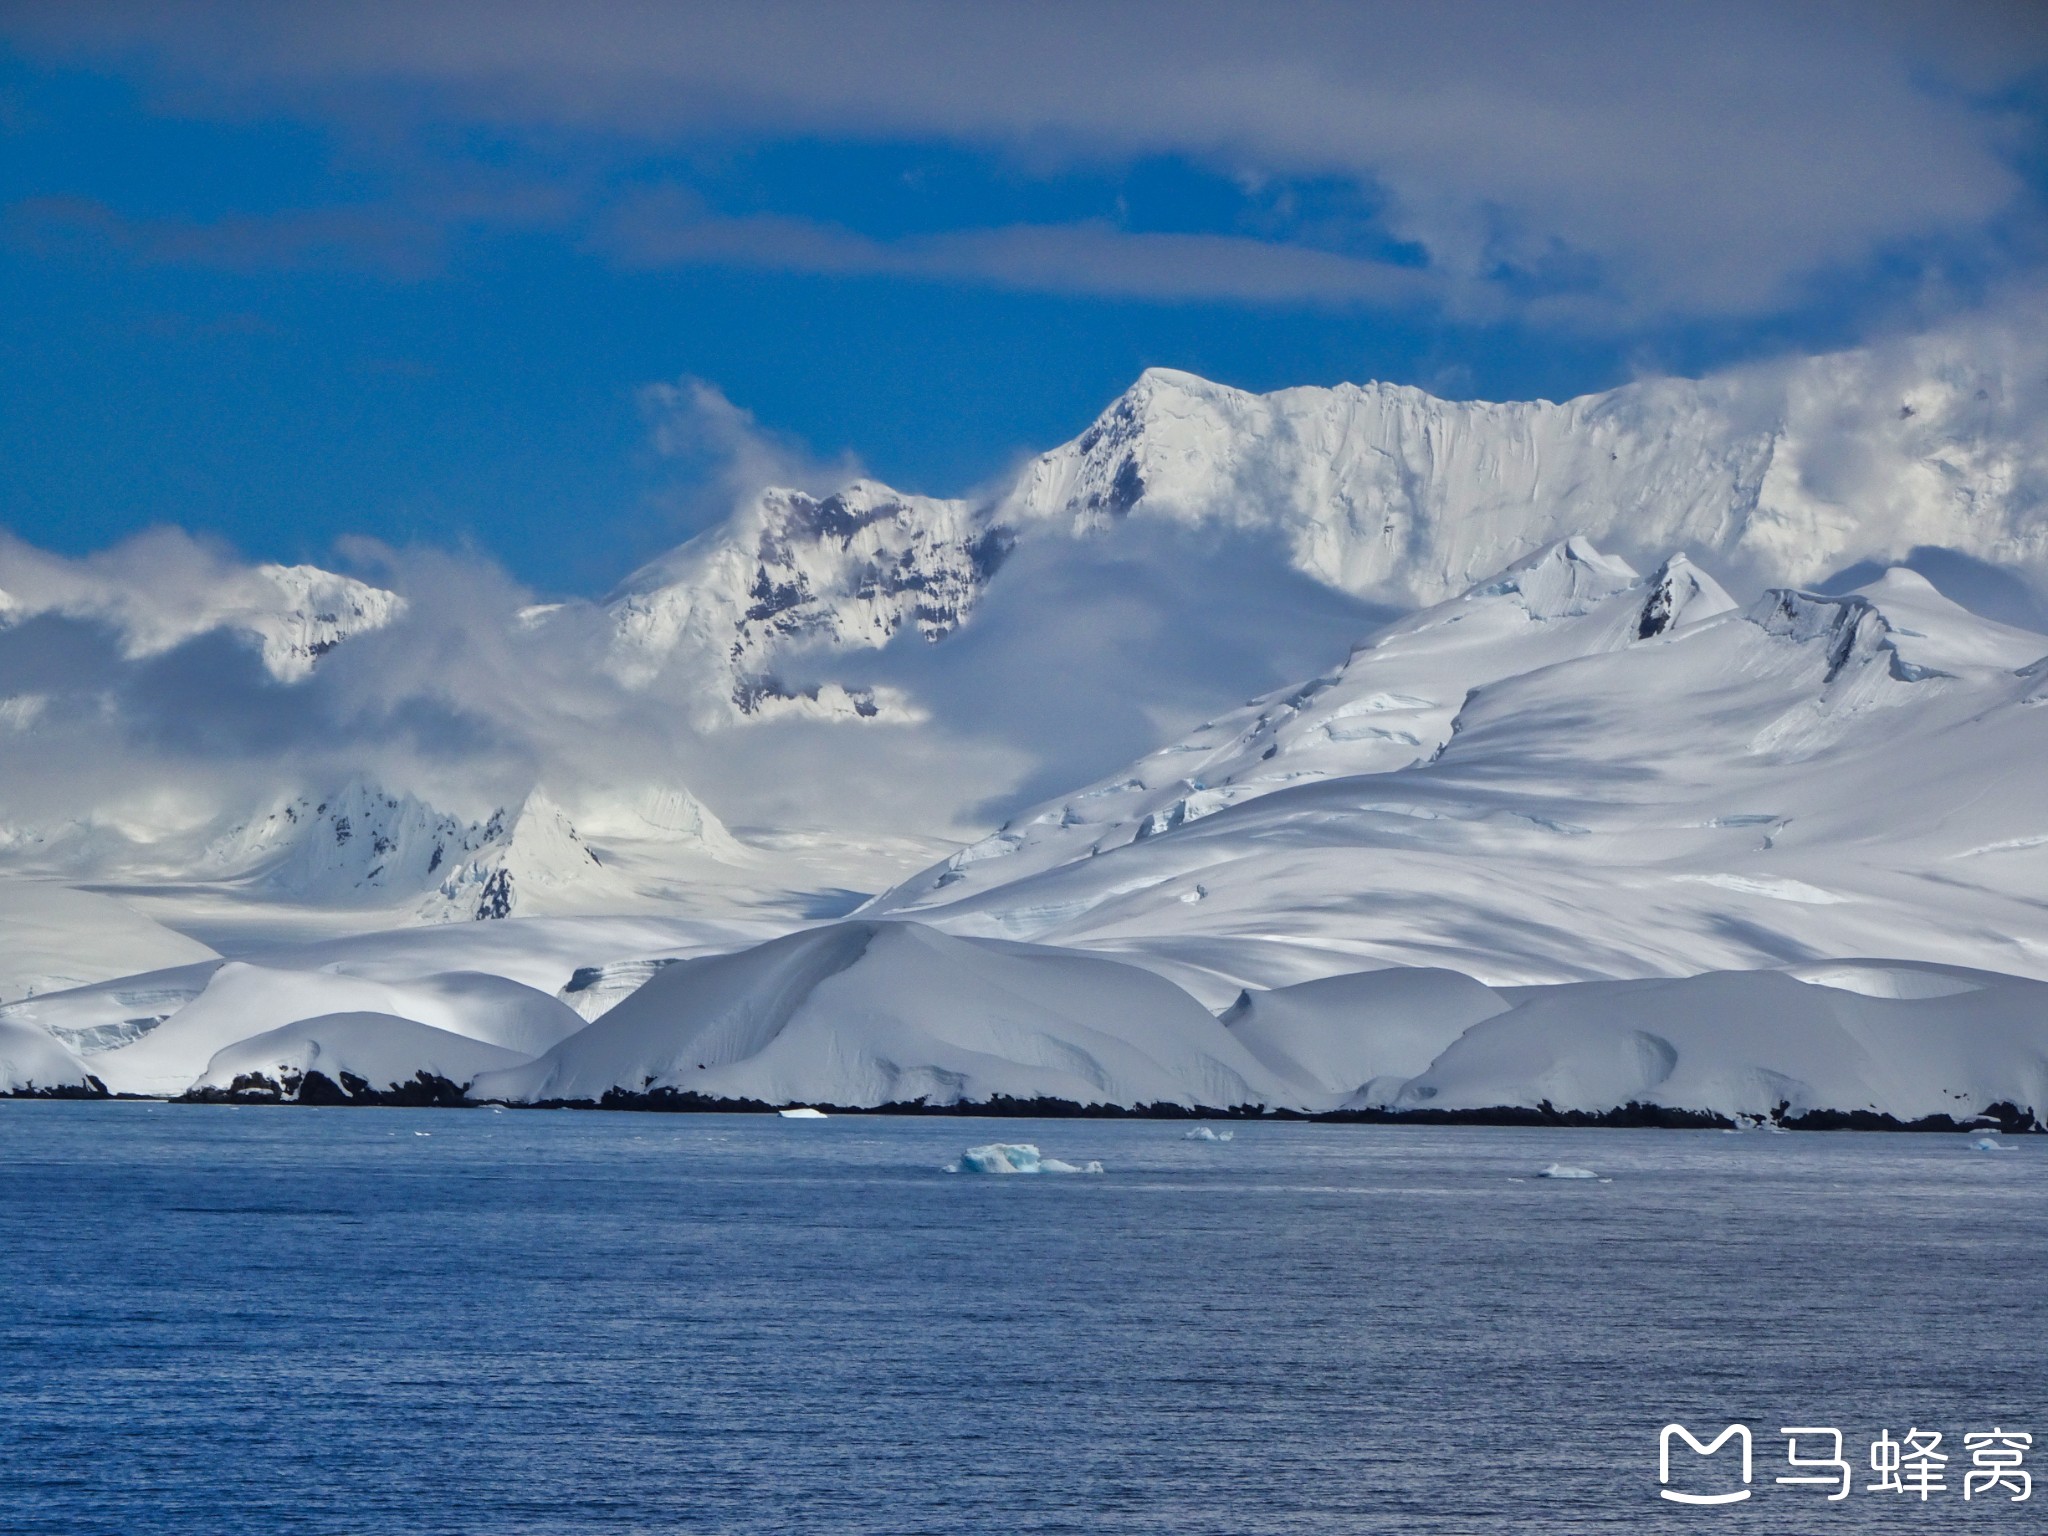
x=220, y=1320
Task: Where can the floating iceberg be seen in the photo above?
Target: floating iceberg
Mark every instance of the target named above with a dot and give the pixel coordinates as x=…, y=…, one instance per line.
x=1014, y=1157
x=1990, y=1143
x=1203, y=1133
x=1566, y=1171
x=801, y=1112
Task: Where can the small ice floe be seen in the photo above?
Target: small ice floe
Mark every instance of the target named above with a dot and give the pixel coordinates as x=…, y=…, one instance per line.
x=1203, y=1133
x=1013, y=1157
x=1990, y=1143
x=1565, y=1171
x=423, y=1133
x=802, y=1112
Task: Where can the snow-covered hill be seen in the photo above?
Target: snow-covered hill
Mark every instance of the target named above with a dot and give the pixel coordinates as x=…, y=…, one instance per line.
x=350, y=1058
x=870, y=1014
x=863, y=1014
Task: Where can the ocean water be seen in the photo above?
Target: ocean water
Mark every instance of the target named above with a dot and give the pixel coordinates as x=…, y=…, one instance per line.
x=229, y=1320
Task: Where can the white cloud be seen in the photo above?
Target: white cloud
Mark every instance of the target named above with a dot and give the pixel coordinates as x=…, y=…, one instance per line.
x=1691, y=160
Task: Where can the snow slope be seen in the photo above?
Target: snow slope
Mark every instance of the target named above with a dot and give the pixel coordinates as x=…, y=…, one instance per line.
x=1535, y=787
x=362, y=1054
x=53, y=938
x=108, y=1014
x=862, y=1014
x=1338, y=1035
x=33, y=1063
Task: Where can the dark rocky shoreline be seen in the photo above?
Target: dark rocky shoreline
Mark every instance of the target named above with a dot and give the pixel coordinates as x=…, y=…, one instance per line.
x=427, y=1091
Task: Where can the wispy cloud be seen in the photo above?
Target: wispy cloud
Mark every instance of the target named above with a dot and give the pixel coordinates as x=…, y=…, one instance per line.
x=1094, y=258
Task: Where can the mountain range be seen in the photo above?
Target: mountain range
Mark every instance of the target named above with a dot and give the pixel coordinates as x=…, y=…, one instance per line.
x=809, y=608
x=1736, y=676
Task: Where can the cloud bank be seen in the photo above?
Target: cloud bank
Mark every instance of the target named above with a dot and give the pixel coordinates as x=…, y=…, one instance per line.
x=1583, y=163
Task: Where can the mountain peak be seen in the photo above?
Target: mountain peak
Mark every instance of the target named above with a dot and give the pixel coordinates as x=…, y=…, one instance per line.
x=1562, y=579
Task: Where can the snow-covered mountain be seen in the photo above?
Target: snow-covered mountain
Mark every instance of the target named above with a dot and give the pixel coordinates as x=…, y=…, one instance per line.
x=293, y=614
x=1568, y=772
x=1386, y=491
x=361, y=846
x=1782, y=474
x=789, y=572
x=1549, y=842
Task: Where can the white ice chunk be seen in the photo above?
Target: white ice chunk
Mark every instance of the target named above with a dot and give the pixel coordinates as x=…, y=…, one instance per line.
x=1203, y=1133
x=802, y=1112
x=1014, y=1157
x=1566, y=1171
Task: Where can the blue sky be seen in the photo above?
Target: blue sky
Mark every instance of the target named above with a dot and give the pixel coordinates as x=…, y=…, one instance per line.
x=284, y=275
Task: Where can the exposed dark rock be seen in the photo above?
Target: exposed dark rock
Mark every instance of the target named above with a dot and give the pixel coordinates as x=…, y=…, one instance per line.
x=424, y=1091
x=91, y=1088
x=495, y=900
